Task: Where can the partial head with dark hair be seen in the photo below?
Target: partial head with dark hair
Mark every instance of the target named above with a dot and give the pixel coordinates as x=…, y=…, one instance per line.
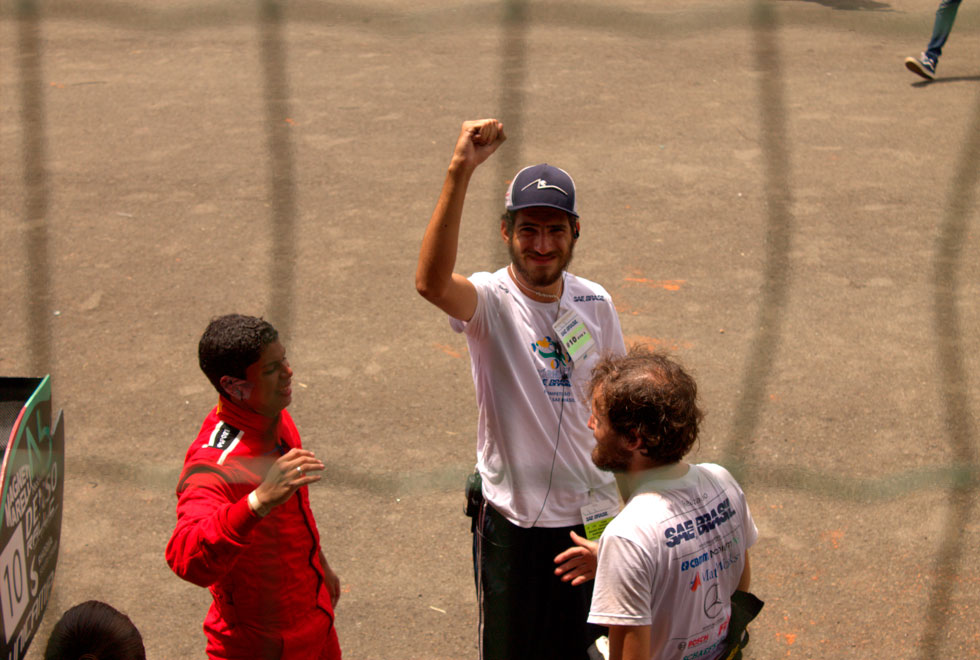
x=94, y=630
x=232, y=343
x=648, y=397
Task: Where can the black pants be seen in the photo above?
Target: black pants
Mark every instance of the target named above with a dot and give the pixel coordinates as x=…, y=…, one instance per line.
x=526, y=611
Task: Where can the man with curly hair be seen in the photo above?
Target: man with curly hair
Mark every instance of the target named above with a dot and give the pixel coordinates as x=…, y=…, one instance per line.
x=670, y=562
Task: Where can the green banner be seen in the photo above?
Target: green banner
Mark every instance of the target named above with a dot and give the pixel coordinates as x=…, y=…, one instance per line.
x=33, y=477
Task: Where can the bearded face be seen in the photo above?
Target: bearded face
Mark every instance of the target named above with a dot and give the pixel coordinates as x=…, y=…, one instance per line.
x=541, y=245
x=611, y=452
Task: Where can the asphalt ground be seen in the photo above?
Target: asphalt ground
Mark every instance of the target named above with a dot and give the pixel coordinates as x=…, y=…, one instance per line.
x=765, y=191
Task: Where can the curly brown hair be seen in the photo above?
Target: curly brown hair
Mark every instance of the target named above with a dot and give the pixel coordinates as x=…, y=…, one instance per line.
x=648, y=396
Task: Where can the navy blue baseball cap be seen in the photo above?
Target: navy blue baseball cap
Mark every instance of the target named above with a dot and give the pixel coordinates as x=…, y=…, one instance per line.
x=542, y=185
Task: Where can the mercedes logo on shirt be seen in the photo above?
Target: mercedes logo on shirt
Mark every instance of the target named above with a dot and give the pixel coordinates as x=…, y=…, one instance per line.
x=712, y=603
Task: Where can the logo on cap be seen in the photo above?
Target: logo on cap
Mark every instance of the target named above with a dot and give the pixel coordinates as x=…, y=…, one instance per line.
x=544, y=185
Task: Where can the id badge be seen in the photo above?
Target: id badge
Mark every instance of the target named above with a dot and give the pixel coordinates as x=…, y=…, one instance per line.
x=574, y=336
x=596, y=516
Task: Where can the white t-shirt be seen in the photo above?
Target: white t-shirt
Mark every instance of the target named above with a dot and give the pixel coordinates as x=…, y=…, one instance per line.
x=521, y=394
x=672, y=559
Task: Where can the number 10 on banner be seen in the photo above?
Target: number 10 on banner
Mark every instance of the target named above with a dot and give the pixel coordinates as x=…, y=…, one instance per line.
x=14, y=594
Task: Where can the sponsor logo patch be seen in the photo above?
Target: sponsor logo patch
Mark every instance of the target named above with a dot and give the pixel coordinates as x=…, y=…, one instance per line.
x=223, y=436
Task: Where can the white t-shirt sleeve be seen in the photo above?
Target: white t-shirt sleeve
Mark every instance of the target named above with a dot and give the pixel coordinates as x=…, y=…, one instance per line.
x=749, y=530
x=482, y=282
x=616, y=343
x=612, y=342
x=624, y=584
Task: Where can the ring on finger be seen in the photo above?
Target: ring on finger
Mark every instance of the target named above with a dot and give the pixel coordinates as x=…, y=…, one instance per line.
x=299, y=468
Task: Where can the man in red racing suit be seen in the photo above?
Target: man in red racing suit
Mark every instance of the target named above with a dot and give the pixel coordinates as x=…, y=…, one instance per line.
x=244, y=525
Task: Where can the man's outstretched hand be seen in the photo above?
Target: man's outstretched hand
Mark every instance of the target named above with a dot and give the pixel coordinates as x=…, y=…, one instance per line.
x=577, y=564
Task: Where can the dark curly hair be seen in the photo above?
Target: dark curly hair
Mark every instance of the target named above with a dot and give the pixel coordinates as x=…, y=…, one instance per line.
x=94, y=630
x=232, y=343
x=647, y=395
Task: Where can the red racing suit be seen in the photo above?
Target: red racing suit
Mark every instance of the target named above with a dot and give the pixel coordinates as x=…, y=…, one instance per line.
x=264, y=574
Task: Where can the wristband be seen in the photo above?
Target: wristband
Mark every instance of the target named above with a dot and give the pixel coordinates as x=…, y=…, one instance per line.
x=253, y=504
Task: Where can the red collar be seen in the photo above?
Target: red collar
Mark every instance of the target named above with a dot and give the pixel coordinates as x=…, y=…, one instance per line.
x=243, y=419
